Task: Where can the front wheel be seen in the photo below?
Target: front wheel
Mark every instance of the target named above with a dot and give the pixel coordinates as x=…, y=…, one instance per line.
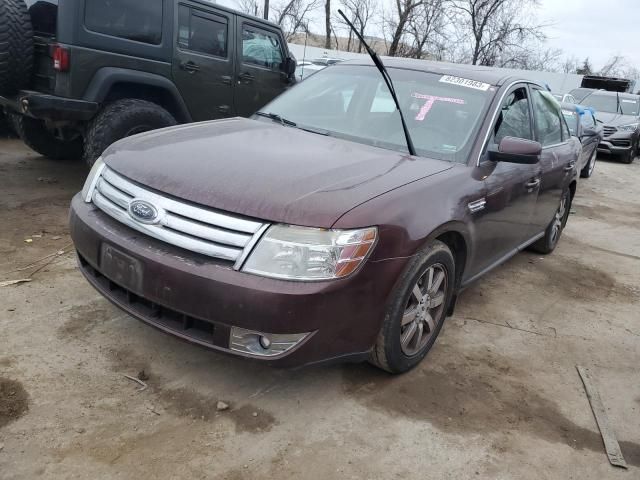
x=121, y=119
x=416, y=311
x=549, y=241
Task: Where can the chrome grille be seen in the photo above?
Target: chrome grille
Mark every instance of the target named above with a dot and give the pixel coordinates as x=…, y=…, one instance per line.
x=608, y=131
x=193, y=228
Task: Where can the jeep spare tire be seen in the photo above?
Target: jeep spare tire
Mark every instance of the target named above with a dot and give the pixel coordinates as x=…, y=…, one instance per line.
x=121, y=119
x=16, y=46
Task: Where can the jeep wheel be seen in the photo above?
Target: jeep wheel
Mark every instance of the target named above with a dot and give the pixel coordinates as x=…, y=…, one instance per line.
x=121, y=119
x=16, y=46
x=46, y=142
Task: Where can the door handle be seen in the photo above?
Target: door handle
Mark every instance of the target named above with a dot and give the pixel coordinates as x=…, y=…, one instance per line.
x=246, y=77
x=224, y=108
x=226, y=79
x=531, y=184
x=189, y=66
x=569, y=167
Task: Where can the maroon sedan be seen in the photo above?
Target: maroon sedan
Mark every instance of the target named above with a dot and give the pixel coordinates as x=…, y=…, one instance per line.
x=308, y=233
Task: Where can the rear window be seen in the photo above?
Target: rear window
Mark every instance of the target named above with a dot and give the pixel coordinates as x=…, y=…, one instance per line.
x=139, y=20
x=44, y=16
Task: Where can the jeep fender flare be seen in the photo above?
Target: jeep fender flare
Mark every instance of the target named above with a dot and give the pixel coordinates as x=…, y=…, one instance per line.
x=104, y=80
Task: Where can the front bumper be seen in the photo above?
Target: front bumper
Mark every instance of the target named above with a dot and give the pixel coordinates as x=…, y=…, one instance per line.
x=49, y=107
x=619, y=143
x=200, y=299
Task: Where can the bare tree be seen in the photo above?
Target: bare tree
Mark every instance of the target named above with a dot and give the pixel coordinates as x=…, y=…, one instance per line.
x=495, y=26
x=359, y=13
x=613, y=66
x=586, y=68
x=401, y=17
x=426, y=29
x=570, y=65
x=327, y=24
x=531, y=58
x=292, y=15
x=251, y=7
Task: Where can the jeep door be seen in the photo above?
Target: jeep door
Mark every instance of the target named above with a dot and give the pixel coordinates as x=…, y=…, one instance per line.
x=203, y=61
x=558, y=159
x=259, y=72
x=502, y=218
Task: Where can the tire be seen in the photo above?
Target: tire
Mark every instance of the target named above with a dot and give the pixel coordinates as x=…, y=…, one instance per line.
x=121, y=119
x=36, y=136
x=396, y=350
x=587, y=171
x=548, y=243
x=16, y=46
x=629, y=156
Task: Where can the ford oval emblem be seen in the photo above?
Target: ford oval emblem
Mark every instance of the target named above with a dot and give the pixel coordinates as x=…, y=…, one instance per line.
x=143, y=211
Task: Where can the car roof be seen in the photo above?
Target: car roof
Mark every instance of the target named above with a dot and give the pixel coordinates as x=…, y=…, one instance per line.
x=216, y=5
x=488, y=75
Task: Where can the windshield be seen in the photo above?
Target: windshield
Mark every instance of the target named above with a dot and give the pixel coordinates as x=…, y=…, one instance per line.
x=353, y=102
x=609, y=104
x=571, y=116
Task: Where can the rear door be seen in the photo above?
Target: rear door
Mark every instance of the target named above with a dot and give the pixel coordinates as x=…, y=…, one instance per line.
x=557, y=162
x=259, y=73
x=503, y=217
x=589, y=142
x=203, y=61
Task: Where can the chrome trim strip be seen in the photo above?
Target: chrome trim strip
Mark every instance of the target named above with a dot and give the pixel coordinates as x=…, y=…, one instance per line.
x=94, y=182
x=477, y=205
x=248, y=248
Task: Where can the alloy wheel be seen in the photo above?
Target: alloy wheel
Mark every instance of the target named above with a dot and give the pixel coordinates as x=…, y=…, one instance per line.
x=424, y=309
x=556, y=227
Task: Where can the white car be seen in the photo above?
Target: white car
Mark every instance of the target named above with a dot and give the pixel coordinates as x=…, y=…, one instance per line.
x=305, y=68
x=565, y=98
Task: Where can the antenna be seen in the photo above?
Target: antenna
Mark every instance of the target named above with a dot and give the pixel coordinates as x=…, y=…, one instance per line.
x=387, y=79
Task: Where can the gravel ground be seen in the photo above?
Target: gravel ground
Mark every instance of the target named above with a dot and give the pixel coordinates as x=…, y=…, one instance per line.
x=498, y=397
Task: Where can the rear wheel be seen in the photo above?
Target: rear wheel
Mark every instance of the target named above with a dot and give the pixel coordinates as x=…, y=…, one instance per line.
x=49, y=143
x=121, y=119
x=416, y=311
x=16, y=46
x=587, y=171
x=548, y=243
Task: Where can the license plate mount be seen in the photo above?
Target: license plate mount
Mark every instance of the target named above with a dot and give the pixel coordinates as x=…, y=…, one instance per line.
x=121, y=268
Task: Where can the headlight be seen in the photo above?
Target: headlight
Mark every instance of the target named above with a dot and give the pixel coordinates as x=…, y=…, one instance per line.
x=630, y=127
x=92, y=179
x=303, y=253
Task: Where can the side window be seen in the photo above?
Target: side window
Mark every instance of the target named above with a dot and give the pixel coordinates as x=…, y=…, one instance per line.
x=514, y=119
x=587, y=120
x=260, y=47
x=140, y=20
x=546, y=113
x=202, y=32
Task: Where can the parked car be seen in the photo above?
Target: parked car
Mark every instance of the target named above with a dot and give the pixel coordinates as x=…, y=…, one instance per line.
x=564, y=98
x=309, y=233
x=80, y=74
x=307, y=68
x=326, y=61
x=620, y=114
x=583, y=124
x=580, y=93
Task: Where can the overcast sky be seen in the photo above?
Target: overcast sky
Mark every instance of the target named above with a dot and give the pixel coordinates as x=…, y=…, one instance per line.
x=594, y=28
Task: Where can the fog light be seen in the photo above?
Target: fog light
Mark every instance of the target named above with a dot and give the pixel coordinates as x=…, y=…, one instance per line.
x=263, y=344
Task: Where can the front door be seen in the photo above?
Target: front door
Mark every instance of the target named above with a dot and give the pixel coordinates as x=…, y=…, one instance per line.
x=203, y=61
x=552, y=133
x=259, y=73
x=503, y=216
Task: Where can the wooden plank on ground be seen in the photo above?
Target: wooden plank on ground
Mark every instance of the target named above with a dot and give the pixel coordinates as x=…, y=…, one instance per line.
x=606, y=431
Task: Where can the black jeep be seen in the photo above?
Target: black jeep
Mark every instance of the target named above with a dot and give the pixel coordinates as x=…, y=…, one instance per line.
x=77, y=75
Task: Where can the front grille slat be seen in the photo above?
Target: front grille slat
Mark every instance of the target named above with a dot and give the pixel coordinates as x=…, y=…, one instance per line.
x=180, y=224
x=608, y=131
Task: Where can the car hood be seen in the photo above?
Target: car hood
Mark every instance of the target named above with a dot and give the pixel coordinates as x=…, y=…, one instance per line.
x=615, y=119
x=265, y=170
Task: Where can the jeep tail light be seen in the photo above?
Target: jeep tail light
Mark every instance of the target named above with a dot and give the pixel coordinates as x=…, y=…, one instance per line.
x=60, y=59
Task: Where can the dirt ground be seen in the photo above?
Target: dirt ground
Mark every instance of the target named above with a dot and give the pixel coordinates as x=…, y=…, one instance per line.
x=498, y=397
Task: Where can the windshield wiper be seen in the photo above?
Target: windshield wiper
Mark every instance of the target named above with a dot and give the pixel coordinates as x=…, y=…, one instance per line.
x=277, y=118
x=289, y=123
x=387, y=79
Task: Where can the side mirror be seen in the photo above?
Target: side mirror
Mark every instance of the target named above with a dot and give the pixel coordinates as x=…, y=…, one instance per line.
x=516, y=150
x=289, y=66
x=589, y=132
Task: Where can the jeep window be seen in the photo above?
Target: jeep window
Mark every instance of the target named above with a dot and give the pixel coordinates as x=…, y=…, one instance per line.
x=549, y=127
x=260, y=47
x=139, y=20
x=202, y=32
x=353, y=102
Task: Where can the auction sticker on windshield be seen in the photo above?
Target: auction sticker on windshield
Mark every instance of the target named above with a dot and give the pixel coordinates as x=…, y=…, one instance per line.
x=465, y=82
